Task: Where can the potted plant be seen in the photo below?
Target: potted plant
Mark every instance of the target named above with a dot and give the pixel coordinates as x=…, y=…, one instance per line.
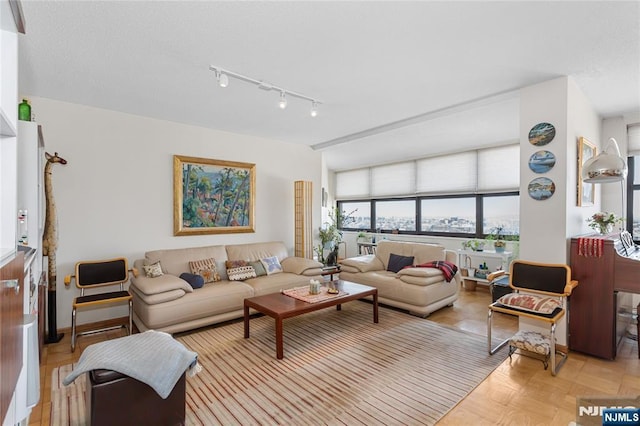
x=331, y=234
x=603, y=222
x=475, y=245
x=496, y=235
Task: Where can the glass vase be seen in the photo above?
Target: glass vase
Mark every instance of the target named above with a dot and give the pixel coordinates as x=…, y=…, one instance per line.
x=605, y=228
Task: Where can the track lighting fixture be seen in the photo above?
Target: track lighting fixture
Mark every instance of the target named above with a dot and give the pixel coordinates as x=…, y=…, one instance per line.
x=223, y=80
x=223, y=75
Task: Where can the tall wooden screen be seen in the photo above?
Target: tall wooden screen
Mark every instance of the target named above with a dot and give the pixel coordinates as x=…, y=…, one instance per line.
x=303, y=214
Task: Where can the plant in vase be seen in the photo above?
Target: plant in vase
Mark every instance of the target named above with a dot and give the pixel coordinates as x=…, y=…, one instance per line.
x=497, y=236
x=331, y=233
x=475, y=245
x=603, y=222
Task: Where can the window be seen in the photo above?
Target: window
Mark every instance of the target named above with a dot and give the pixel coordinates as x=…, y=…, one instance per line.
x=452, y=215
x=360, y=212
x=501, y=211
x=396, y=214
x=462, y=194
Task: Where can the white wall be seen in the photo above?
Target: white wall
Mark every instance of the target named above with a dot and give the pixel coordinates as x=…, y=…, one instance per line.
x=115, y=195
x=582, y=121
x=542, y=223
x=547, y=226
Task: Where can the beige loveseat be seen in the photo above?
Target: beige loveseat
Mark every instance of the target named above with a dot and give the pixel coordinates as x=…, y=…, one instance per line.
x=169, y=303
x=416, y=289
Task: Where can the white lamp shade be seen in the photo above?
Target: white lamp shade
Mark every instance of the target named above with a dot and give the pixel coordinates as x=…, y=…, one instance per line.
x=608, y=166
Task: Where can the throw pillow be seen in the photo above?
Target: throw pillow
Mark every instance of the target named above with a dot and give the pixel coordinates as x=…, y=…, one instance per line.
x=241, y=273
x=258, y=267
x=153, y=270
x=206, y=268
x=530, y=302
x=271, y=265
x=397, y=262
x=235, y=263
x=194, y=280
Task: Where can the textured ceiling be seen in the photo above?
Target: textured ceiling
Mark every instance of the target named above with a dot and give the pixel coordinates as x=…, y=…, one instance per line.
x=370, y=63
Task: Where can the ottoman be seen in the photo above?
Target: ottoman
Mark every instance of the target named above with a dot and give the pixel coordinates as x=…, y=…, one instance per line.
x=116, y=399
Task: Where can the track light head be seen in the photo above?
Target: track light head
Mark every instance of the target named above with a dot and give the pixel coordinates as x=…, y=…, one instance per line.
x=223, y=79
x=314, y=108
x=283, y=101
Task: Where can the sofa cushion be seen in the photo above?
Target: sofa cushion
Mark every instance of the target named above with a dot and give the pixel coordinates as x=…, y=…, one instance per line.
x=205, y=268
x=194, y=280
x=271, y=265
x=256, y=251
x=397, y=262
x=152, y=299
x=161, y=284
x=153, y=270
x=362, y=264
x=176, y=261
x=301, y=266
x=421, y=252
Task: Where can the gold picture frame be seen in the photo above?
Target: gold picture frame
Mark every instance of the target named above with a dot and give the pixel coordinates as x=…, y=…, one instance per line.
x=586, y=191
x=212, y=196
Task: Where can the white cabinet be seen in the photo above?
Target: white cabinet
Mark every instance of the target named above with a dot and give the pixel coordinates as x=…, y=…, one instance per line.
x=31, y=193
x=493, y=260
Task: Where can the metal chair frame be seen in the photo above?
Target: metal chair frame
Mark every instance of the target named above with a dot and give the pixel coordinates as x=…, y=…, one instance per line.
x=88, y=276
x=559, y=290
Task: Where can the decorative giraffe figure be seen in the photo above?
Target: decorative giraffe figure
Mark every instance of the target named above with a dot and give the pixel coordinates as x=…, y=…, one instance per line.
x=50, y=244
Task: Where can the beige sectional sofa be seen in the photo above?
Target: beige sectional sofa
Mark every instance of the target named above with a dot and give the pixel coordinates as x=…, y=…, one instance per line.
x=416, y=289
x=169, y=303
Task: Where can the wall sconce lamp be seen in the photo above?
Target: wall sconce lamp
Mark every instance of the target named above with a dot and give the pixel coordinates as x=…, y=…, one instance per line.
x=222, y=75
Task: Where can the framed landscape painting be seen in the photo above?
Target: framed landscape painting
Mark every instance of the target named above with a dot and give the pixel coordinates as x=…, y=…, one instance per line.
x=212, y=196
x=586, y=191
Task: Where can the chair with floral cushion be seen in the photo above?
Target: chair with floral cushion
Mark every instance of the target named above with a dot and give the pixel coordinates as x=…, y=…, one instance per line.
x=95, y=274
x=540, y=293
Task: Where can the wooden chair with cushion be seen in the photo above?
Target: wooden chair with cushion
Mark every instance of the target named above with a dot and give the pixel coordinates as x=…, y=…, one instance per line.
x=95, y=274
x=540, y=293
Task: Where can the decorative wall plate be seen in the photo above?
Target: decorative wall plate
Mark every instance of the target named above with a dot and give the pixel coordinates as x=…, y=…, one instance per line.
x=541, y=188
x=541, y=134
x=542, y=161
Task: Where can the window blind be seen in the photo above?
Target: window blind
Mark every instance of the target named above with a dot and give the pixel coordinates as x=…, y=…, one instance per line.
x=447, y=174
x=393, y=179
x=352, y=184
x=499, y=169
x=633, y=133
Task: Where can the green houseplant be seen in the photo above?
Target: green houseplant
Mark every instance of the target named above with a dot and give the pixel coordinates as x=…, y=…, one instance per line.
x=331, y=234
x=496, y=235
x=475, y=245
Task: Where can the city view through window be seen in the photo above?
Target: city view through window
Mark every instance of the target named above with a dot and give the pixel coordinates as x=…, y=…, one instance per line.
x=438, y=215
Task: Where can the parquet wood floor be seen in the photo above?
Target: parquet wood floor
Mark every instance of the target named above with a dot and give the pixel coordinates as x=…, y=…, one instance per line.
x=518, y=392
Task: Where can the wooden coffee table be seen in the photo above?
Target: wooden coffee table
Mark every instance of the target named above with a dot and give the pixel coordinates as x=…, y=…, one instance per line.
x=280, y=306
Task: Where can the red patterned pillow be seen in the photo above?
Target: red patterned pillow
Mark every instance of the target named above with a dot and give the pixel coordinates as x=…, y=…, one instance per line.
x=530, y=302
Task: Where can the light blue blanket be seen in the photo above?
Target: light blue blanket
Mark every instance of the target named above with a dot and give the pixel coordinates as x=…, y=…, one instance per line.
x=152, y=357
